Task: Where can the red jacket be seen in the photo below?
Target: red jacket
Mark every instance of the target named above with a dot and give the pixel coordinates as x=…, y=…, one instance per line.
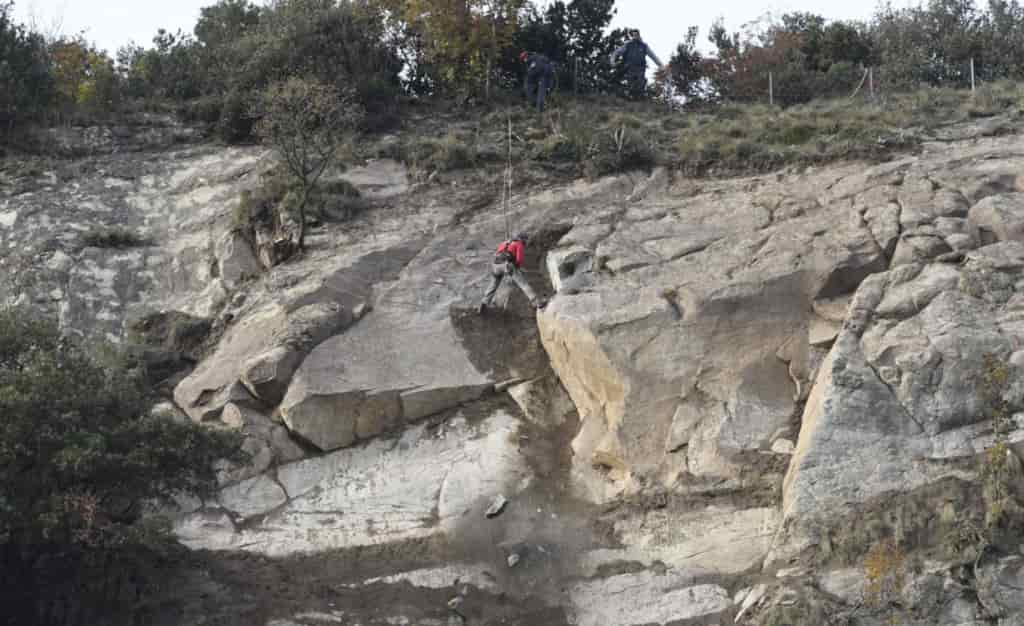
x=516, y=248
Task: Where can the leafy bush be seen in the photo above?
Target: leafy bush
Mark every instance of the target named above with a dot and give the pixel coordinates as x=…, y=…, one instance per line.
x=335, y=43
x=621, y=150
x=235, y=122
x=337, y=201
x=260, y=206
x=446, y=154
x=205, y=110
x=78, y=462
x=114, y=237
x=26, y=86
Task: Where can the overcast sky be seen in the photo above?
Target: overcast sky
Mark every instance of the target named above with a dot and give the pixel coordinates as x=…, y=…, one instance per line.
x=112, y=23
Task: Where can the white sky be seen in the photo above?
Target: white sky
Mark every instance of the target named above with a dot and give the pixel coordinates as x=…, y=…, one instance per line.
x=113, y=23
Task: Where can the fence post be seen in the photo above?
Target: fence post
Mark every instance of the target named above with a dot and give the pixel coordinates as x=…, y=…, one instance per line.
x=871, y=82
x=771, y=89
x=972, y=75
x=576, y=76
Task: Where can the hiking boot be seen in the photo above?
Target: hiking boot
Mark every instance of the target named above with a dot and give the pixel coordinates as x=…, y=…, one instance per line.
x=482, y=308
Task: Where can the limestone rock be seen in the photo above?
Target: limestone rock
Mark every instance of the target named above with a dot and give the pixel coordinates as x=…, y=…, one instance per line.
x=385, y=372
x=252, y=497
x=267, y=375
x=999, y=587
x=419, y=485
x=236, y=260
x=543, y=401
x=568, y=268
x=718, y=540
x=246, y=348
x=884, y=222
x=919, y=246
x=783, y=446
x=898, y=383
x=923, y=202
x=645, y=598
x=379, y=178
x=267, y=443
x=998, y=218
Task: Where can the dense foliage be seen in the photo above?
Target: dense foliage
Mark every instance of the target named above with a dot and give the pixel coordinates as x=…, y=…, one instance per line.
x=79, y=460
x=25, y=81
x=384, y=49
x=808, y=56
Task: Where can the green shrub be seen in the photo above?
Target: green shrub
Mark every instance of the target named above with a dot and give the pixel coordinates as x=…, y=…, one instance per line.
x=621, y=150
x=79, y=460
x=235, y=123
x=337, y=201
x=446, y=154
x=114, y=237
x=205, y=110
x=259, y=206
x=26, y=84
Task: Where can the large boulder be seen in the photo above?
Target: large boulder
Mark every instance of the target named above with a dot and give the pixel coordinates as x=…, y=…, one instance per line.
x=903, y=392
x=387, y=371
x=218, y=380
x=691, y=350
x=998, y=218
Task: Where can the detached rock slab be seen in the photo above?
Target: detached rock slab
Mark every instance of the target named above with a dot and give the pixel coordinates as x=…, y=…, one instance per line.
x=420, y=485
x=645, y=598
x=386, y=371
x=262, y=350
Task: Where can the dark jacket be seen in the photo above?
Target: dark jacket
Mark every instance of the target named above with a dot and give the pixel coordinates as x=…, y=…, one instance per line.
x=635, y=52
x=538, y=65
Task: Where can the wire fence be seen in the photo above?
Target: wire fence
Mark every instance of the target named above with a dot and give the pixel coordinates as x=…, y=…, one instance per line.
x=789, y=86
x=786, y=85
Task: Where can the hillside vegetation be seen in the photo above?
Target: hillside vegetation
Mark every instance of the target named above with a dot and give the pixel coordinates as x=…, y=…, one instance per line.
x=434, y=84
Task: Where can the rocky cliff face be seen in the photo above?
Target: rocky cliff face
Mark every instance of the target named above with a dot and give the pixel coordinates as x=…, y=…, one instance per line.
x=743, y=397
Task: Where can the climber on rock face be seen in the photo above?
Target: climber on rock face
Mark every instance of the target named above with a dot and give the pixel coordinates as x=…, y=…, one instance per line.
x=508, y=262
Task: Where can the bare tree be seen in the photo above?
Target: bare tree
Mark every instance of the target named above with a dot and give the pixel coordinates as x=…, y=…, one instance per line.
x=305, y=122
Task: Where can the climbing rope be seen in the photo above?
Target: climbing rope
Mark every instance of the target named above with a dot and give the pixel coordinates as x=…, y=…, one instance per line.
x=506, y=192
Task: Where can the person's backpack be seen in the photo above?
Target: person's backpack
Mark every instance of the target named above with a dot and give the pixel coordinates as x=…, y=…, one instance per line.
x=635, y=53
x=504, y=255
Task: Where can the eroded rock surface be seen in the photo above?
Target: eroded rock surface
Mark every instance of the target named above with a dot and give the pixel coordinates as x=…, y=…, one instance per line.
x=902, y=393
x=738, y=389
x=423, y=483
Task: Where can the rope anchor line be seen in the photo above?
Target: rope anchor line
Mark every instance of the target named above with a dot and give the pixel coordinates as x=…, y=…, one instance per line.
x=506, y=191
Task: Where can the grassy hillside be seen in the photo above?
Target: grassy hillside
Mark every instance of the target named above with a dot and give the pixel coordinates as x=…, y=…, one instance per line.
x=597, y=136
